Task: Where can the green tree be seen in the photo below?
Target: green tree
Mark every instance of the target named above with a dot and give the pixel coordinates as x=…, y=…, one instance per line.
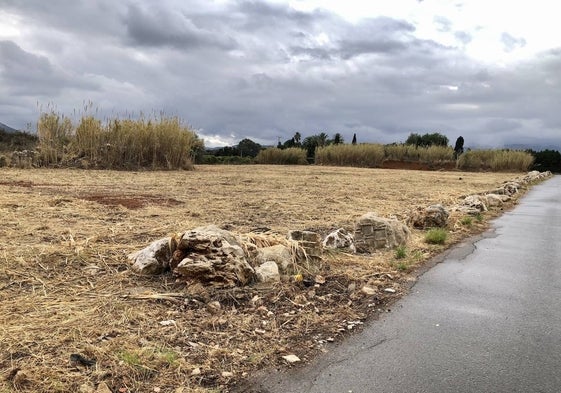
x=338, y=139
x=426, y=140
x=248, y=148
x=459, y=147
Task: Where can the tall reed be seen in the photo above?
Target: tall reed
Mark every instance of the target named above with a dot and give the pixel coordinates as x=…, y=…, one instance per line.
x=495, y=160
x=363, y=155
x=154, y=143
x=274, y=156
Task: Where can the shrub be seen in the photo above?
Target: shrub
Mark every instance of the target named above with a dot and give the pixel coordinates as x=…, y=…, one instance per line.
x=467, y=221
x=400, y=252
x=210, y=159
x=436, y=236
x=363, y=155
x=275, y=156
x=10, y=141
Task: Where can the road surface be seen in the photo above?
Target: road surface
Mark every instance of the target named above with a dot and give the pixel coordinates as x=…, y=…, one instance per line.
x=486, y=319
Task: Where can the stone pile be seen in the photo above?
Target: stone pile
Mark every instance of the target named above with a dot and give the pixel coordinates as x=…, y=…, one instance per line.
x=214, y=256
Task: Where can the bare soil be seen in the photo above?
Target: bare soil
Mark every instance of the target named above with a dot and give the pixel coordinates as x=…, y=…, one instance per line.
x=66, y=288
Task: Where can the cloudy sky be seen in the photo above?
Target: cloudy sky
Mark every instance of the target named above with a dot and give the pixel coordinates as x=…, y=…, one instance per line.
x=264, y=69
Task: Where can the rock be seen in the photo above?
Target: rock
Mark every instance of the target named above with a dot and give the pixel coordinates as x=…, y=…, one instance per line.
x=291, y=358
x=311, y=244
x=86, y=388
x=196, y=371
x=535, y=176
x=268, y=272
x=214, y=307
x=531, y=177
x=476, y=202
x=340, y=238
x=102, y=388
x=510, y=188
x=213, y=255
x=227, y=374
x=308, y=240
x=222, y=270
x=368, y=290
x=278, y=253
x=430, y=217
x=190, y=238
x=373, y=232
x=494, y=200
x=389, y=290
x=153, y=259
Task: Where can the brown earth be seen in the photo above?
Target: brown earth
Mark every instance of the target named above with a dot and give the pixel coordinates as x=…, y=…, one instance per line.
x=66, y=288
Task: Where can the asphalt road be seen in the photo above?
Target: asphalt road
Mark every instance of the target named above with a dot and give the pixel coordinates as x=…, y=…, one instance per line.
x=486, y=319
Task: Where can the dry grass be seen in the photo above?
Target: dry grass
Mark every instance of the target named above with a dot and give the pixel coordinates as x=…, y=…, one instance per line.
x=65, y=286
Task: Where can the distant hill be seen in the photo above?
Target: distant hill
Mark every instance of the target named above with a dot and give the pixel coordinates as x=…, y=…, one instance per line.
x=4, y=127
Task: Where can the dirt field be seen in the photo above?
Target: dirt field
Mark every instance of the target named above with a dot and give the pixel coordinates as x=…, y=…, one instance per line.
x=66, y=287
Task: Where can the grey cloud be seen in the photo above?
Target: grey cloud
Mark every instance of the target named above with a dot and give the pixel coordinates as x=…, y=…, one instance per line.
x=24, y=73
x=260, y=14
x=442, y=24
x=159, y=26
x=502, y=125
x=511, y=43
x=463, y=37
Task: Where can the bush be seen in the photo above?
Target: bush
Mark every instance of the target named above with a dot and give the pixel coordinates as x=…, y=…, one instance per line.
x=210, y=159
x=275, y=156
x=436, y=236
x=363, y=155
x=467, y=221
x=10, y=141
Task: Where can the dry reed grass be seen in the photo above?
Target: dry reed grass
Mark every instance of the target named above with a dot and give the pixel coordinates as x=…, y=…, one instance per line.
x=154, y=143
x=275, y=156
x=495, y=160
x=368, y=155
x=65, y=285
